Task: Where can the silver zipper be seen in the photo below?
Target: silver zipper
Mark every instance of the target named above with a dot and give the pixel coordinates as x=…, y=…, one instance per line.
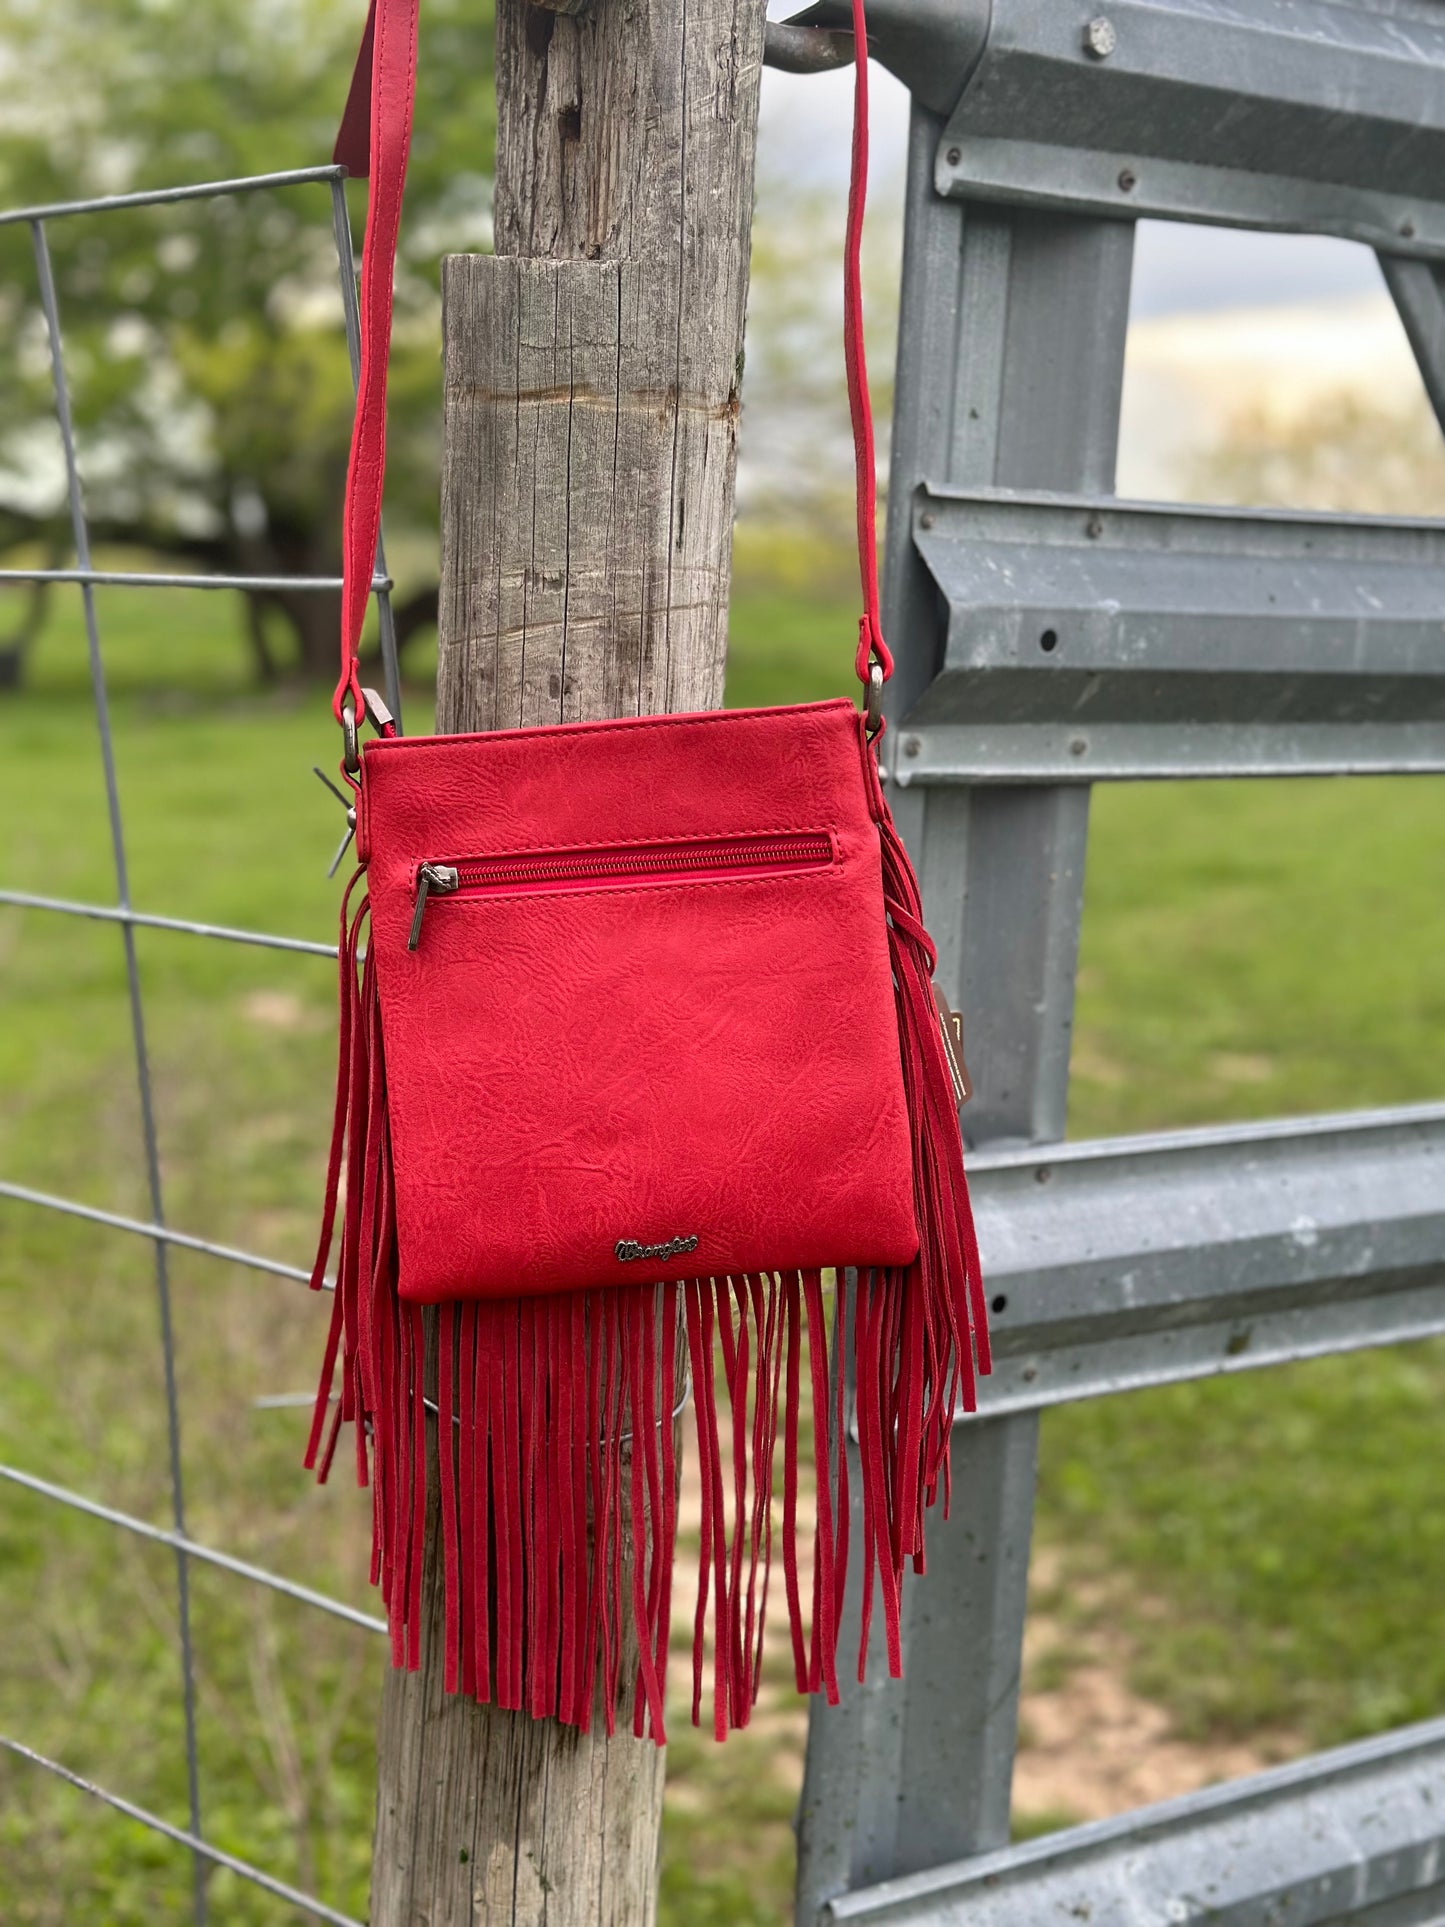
x=703, y=856
x=439, y=879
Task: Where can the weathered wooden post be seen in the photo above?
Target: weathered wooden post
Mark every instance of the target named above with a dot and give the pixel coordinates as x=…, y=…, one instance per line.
x=591, y=422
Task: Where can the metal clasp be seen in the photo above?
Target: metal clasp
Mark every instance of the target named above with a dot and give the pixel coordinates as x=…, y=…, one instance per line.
x=376, y=713
x=350, y=746
x=874, y=711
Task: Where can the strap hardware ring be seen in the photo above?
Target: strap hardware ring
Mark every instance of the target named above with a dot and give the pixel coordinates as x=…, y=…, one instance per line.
x=351, y=748
x=874, y=711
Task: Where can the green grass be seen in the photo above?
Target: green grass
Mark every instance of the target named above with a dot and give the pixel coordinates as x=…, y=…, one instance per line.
x=225, y=824
x=1273, y=1543
x=1259, y=948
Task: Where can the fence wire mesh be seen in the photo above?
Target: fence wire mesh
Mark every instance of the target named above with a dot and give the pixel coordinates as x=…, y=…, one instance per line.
x=122, y=912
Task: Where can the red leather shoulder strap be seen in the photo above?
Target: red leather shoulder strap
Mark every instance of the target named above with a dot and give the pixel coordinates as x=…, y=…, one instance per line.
x=388, y=50
x=375, y=137
x=871, y=646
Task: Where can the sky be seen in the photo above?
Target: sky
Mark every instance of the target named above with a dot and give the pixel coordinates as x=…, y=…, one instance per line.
x=803, y=136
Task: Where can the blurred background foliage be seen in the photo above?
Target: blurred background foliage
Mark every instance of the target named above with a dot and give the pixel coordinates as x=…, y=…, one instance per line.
x=202, y=337
x=1374, y=456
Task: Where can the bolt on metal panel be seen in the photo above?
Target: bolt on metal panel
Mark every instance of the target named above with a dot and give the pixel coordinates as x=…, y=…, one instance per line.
x=1090, y=637
x=1306, y=115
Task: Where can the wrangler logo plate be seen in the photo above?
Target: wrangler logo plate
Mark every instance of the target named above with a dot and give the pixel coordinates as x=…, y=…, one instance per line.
x=626, y=1249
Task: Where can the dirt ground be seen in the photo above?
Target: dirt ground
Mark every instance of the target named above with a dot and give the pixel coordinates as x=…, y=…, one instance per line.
x=1089, y=1745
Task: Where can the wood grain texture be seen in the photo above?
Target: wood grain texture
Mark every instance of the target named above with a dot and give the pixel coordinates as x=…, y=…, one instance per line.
x=579, y=589
x=609, y=331
x=592, y=372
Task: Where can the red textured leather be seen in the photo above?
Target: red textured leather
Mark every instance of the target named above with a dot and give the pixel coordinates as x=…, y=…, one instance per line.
x=709, y=1057
x=375, y=138
x=657, y=1048
x=386, y=73
x=871, y=646
x=715, y=1058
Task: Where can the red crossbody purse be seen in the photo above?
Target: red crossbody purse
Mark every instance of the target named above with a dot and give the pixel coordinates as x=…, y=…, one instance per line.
x=639, y=1043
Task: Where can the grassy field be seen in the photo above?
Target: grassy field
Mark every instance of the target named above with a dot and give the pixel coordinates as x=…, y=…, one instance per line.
x=1273, y=1546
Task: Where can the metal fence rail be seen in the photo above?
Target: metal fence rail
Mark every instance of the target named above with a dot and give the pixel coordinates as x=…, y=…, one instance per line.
x=200, y=1848
x=123, y=913
x=1365, y=1826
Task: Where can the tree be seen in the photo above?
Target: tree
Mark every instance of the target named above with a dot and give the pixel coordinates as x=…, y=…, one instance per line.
x=204, y=340
x=1343, y=449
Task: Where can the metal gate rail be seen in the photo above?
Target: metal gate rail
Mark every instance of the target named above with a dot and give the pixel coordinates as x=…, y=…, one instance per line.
x=1142, y=1261
x=1363, y=1828
x=1048, y=635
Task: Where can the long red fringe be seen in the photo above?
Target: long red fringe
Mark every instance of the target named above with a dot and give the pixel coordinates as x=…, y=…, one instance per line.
x=554, y=1417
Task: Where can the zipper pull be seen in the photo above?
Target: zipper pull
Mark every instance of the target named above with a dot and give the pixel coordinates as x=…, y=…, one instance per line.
x=438, y=878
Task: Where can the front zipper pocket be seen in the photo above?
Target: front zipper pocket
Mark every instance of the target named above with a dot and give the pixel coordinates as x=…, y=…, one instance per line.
x=553, y=870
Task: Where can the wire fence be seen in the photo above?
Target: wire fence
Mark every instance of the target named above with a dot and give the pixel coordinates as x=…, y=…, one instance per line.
x=122, y=912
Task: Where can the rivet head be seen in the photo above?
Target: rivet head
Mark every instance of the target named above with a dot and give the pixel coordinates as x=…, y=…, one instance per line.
x=954, y=156
x=1128, y=180
x=912, y=745
x=1077, y=746
x=1100, y=39
x=925, y=521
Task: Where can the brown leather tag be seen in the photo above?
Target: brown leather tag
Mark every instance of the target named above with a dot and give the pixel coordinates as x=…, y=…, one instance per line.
x=950, y=1022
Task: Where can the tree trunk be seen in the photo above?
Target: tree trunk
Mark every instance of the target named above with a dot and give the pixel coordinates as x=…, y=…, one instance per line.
x=590, y=449
x=314, y=618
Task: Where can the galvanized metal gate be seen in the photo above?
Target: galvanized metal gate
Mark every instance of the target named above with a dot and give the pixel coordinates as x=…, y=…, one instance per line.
x=1048, y=637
